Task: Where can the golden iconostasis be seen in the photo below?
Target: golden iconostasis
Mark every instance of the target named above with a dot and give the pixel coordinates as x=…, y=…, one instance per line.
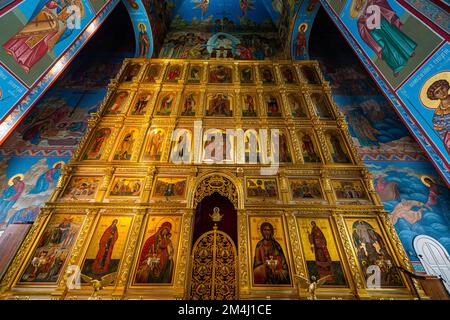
x=215, y=179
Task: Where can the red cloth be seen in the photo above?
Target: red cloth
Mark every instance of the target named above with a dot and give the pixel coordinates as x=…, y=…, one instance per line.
x=25, y=55
x=111, y=234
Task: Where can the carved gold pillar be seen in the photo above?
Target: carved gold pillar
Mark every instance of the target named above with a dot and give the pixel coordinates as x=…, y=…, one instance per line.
x=297, y=251
x=108, y=173
x=66, y=173
x=298, y=156
x=326, y=182
x=284, y=187
x=185, y=247
x=201, y=104
x=287, y=112
x=243, y=249
x=165, y=156
x=129, y=254
x=322, y=141
x=138, y=144
x=151, y=171
x=368, y=181
x=109, y=148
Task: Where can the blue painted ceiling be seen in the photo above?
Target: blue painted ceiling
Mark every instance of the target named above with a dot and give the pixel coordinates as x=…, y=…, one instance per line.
x=239, y=15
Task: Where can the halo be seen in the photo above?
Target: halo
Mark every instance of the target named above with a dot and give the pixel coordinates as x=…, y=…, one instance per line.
x=142, y=24
x=427, y=102
x=303, y=24
x=10, y=181
x=59, y=162
x=426, y=183
x=353, y=11
x=133, y=5
x=264, y=221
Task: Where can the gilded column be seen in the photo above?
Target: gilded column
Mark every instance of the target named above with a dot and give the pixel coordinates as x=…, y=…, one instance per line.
x=243, y=232
x=182, y=274
x=130, y=251
x=297, y=252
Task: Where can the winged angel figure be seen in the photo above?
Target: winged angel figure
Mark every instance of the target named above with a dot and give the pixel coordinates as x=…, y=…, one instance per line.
x=202, y=5
x=98, y=285
x=313, y=285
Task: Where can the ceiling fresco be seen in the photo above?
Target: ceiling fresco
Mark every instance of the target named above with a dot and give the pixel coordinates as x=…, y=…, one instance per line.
x=233, y=15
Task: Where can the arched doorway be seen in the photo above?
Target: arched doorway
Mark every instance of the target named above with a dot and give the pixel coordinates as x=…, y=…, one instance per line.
x=434, y=258
x=214, y=254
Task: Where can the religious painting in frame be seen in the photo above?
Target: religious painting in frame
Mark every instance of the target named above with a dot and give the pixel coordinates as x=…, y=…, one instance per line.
x=170, y=188
x=155, y=145
x=309, y=73
x=141, y=103
x=181, y=151
x=261, y=188
x=131, y=72
x=306, y=190
x=126, y=187
x=309, y=146
x=281, y=149
x=81, y=189
x=118, y=103
x=106, y=247
x=269, y=260
x=349, y=190
x=174, y=73
x=246, y=74
x=371, y=249
x=125, y=147
x=337, y=147
x=219, y=105
x=97, y=144
x=157, y=257
x=321, y=252
x=153, y=73
x=267, y=75
x=218, y=146
x=273, y=105
x=297, y=106
x=321, y=105
x=220, y=74
x=289, y=75
x=190, y=102
x=194, y=74
x=53, y=249
x=166, y=103
x=249, y=105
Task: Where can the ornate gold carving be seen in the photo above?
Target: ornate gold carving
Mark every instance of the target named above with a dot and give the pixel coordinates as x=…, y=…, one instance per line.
x=131, y=248
x=186, y=231
x=108, y=174
x=204, y=179
x=218, y=184
x=299, y=262
x=244, y=276
x=214, y=267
